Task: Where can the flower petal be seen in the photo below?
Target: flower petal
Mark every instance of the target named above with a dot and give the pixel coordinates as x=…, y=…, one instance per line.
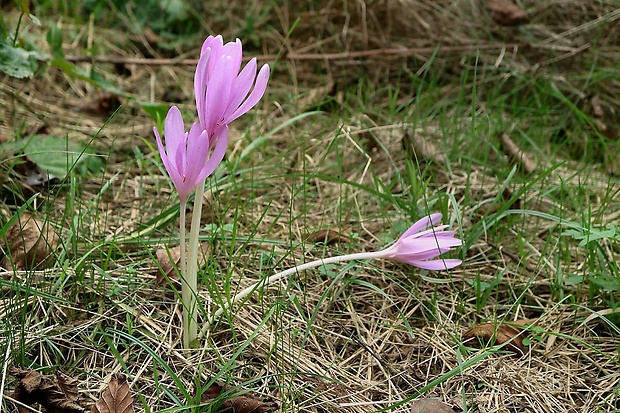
x=437, y=265
x=422, y=224
x=217, y=155
x=257, y=93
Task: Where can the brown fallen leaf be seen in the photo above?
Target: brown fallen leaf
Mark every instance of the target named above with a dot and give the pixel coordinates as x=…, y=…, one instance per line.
x=491, y=333
x=418, y=147
x=506, y=13
x=54, y=393
x=29, y=244
x=515, y=154
x=166, y=257
x=246, y=403
x=430, y=406
x=327, y=237
x=116, y=398
x=317, y=95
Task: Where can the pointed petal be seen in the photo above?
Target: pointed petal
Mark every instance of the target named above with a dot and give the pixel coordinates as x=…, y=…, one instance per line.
x=218, y=93
x=255, y=96
x=218, y=154
x=422, y=224
x=197, y=152
x=200, y=84
x=437, y=265
x=242, y=85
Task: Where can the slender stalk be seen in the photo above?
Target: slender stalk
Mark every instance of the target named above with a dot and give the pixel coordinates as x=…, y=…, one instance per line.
x=270, y=280
x=192, y=270
x=186, y=292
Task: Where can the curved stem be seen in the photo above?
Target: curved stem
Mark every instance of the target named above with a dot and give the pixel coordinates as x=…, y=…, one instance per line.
x=270, y=280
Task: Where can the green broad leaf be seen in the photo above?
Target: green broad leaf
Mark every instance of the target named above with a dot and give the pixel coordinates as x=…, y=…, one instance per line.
x=157, y=111
x=17, y=62
x=57, y=155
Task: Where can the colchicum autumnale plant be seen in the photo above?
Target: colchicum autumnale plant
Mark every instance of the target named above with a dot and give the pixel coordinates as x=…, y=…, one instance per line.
x=421, y=246
x=222, y=95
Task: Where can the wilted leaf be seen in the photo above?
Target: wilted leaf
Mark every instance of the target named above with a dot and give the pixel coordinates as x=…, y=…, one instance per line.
x=327, y=237
x=317, y=95
x=515, y=154
x=506, y=13
x=54, y=394
x=99, y=103
x=116, y=398
x=430, y=406
x=237, y=404
x=493, y=334
x=29, y=244
x=418, y=147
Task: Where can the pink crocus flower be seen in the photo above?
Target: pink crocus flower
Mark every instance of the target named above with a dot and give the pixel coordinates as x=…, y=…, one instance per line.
x=186, y=155
x=417, y=246
x=421, y=243
x=222, y=92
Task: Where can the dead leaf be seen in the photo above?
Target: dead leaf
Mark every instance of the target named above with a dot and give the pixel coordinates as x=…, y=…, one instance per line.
x=317, y=95
x=490, y=333
x=515, y=154
x=418, y=146
x=29, y=244
x=99, y=103
x=327, y=237
x=506, y=13
x=166, y=257
x=246, y=403
x=430, y=406
x=54, y=394
x=116, y=398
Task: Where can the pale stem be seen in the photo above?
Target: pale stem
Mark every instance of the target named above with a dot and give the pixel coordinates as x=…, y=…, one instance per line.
x=186, y=292
x=272, y=279
x=192, y=269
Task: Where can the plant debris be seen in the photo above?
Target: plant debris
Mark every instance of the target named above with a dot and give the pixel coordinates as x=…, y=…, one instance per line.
x=116, y=398
x=492, y=334
x=515, y=154
x=166, y=257
x=506, y=13
x=55, y=394
x=247, y=403
x=430, y=406
x=29, y=244
x=418, y=146
x=327, y=237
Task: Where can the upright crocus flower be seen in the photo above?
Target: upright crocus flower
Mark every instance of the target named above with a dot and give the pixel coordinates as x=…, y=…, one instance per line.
x=222, y=95
x=222, y=92
x=186, y=155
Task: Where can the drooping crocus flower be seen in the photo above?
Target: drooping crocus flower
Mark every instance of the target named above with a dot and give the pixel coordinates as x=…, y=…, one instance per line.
x=222, y=92
x=186, y=155
x=421, y=243
x=417, y=246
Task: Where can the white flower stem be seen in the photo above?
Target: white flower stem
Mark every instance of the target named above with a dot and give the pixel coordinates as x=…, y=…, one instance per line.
x=185, y=288
x=272, y=279
x=190, y=327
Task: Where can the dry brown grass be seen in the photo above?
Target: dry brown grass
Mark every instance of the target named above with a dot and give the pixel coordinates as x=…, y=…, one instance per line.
x=331, y=345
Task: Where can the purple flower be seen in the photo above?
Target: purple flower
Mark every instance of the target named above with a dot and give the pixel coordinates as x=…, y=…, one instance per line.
x=423, y=242
x=187, y=156
x=222, y=92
